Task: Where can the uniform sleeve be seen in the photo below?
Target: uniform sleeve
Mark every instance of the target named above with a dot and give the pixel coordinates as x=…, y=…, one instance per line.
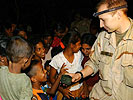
x=94, y=56
x=26, y=93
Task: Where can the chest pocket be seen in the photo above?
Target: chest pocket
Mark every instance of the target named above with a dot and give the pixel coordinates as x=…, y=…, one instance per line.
x=127, y=64
x=104, y=61
x=105, y=57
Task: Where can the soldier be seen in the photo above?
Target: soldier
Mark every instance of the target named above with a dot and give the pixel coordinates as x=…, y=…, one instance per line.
x=111, y=54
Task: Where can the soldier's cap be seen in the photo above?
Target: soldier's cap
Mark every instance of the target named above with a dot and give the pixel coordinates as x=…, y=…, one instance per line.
x=109, y=10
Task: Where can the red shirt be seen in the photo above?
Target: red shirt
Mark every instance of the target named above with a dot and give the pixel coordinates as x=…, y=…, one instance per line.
x=57, y=42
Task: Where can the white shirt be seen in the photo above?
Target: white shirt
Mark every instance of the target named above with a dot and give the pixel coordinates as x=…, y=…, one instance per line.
x=59, y=60
x=47, y=56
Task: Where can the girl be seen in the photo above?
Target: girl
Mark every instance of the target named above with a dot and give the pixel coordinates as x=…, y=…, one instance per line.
x=72, y=58
x=39, y=50
x=87, y=42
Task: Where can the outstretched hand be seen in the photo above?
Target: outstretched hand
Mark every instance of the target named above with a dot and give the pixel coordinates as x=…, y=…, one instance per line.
x=75, y=76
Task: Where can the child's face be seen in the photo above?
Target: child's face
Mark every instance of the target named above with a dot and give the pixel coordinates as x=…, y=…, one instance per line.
x=40, y=50
x=23, y=34
x=48, y=41
x=86, y=49
x=41, y=74
x=61, y=35
x=76, y=47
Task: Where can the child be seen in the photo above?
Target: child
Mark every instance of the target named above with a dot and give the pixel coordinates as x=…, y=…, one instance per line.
x=39, y=50
x=60, y=30
x=38, y=75
x=47, y=39
x=72, y=57
x=48, y=83
x=15, y=85
x=47, y=67
x=21, y=31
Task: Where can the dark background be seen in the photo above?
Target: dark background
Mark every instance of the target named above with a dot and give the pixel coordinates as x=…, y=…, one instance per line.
x=41, y=14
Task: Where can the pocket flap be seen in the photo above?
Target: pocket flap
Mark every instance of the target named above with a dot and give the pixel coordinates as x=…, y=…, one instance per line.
x=127, y=60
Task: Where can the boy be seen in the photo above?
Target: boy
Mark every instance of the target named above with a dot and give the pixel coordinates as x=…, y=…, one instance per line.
x=38, y=76
x=15, y=85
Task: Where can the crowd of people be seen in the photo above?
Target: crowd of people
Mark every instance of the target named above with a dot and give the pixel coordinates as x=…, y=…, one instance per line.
x=98, y=62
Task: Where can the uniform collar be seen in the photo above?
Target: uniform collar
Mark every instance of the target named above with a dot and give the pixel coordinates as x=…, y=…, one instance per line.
x=128, y=35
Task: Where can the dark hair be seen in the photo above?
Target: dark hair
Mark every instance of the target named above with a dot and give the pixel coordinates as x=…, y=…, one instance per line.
x=2, y=52
x=88, y=38
x=45, y=37
x=35, y=41
x=18, y=29
x=31, y=70
x=18, y=48
x=60, y=27
x=46, y=34
x=56, y=50
x=3, y=44
x=71, y=37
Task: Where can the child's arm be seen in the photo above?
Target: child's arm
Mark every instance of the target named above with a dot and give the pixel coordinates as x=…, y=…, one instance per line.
x=52, y=90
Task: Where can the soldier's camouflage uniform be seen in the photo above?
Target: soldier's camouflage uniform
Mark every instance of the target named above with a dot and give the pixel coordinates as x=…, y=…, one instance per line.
x=115, y=65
